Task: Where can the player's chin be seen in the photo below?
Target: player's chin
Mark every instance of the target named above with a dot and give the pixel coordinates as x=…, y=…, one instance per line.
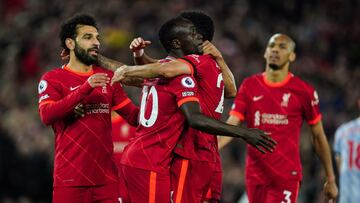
x=274, y=66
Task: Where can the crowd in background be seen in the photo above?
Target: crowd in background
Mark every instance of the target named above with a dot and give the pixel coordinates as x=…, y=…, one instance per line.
x=328, y=57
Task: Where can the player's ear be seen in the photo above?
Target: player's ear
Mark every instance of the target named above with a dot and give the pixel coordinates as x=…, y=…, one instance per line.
x=176, y=44
x=292, y=57
x=70, y=43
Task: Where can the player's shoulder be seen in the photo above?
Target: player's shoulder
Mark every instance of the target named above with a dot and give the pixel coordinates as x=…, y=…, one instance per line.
x=297, y=80
x=53, y=73
x=348, y=126
x=197, y=59
x=186, y=80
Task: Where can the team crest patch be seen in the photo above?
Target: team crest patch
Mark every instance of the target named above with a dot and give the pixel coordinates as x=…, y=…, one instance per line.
x=188, y=82
x=42, y=86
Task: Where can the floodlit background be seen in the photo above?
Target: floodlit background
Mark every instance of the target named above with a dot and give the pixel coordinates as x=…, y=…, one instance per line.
x=328, y=47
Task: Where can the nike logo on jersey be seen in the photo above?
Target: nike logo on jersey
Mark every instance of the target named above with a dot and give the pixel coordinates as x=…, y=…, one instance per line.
x=257, y=98
x=74, y=88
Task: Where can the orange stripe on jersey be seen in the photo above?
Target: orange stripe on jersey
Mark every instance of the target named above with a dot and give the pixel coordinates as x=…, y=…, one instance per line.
x=188, y=64
x=88, y=73
x=315, y=121
x=277, y=84
x=297, y=190
x=46, y=102
x=237, y=114
x=188, y=99
x=152, y=188
x=180, y=188
x=122, y=104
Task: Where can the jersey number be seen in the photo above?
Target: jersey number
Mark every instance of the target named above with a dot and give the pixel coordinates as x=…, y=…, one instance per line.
x=354, y=155
x=146, y=93
x=220, y=107
x=287, y=194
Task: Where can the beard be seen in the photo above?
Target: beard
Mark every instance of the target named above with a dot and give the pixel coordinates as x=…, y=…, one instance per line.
x=275, y=66
x=83, y=56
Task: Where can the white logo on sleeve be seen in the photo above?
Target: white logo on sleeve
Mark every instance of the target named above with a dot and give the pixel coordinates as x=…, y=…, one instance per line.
x=188, y=82
x=42, y=86
x=316, y=99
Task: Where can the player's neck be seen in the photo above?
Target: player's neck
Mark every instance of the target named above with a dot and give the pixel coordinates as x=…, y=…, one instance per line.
x=276, y=75
x=176, y=53
x=77, y=66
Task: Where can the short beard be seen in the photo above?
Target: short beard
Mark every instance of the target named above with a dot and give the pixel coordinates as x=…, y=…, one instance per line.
x=83, y=56
x=275, y=66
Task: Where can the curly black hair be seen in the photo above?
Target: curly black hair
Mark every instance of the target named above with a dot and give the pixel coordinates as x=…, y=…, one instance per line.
x=69, y=27
x=203, y=23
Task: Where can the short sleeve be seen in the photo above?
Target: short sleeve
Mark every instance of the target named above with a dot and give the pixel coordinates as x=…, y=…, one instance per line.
x=239, y=107
x=184, y=88
x=311, y=106
x=48, y=90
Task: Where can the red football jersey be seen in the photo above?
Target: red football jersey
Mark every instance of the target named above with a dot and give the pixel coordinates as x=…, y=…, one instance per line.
x=161, y=123
x=121, y=134
x=277, y=108
x=197, y=145
x=83, y=145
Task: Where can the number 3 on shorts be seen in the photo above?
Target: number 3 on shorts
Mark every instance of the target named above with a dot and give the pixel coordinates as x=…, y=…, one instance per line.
x=287, y=196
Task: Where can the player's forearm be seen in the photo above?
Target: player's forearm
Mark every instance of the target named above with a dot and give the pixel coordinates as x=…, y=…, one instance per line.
x=143, y=71
x=144, y=59
x=215, y=127
x=58, y=110
x=130, y=113
x=108, y=63
x=323, y=151
x=228, y=78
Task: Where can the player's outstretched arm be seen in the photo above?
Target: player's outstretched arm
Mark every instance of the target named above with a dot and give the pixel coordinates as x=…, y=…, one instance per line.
x=109, y=64
x=228, y=77
x=137, y=46
x=153, y=70
x=322, y=149
x=257, y=138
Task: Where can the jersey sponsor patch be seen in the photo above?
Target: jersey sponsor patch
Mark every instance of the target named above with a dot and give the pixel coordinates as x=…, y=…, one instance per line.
x=188, y=94
x=42, y=86
x=188, y=82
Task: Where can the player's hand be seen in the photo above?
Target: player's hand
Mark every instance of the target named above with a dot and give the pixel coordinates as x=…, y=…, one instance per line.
x=138, y=44
x=65, y=55
x=209, y=48
x=260, y=140
x=119, y=74
x=331, y=191
x=79, y=110
x=98, y=80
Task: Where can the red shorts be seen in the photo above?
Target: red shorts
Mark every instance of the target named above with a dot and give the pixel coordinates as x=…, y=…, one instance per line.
x=213, y=195
x=190, y=180
x=286, y=192
x=144, y=186
x=108, y=193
